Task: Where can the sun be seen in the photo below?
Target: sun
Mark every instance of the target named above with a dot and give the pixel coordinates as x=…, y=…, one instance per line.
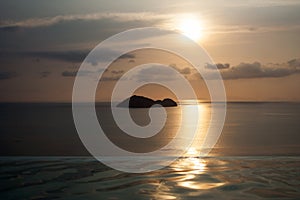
x=190, y=26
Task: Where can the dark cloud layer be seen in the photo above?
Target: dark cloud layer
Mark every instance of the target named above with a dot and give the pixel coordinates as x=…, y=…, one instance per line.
x=257, y=70
x=75, y=56
x=7, y=75
x=218, y=66
x=117, y=71
x=240, y=71
x=68, y=56
x=69, y=73
x=10, y=28
x=294, y=63
x=112, y=76
x=45, y=74
x=184, y=71
x=102, y=55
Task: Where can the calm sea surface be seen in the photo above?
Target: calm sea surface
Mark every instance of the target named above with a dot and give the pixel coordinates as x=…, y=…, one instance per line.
x=256, y=157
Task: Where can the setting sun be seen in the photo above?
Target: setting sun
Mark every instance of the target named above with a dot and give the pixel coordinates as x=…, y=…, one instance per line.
x=190, y=26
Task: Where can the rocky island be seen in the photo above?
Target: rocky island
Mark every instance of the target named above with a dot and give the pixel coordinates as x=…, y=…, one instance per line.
x=144, y=102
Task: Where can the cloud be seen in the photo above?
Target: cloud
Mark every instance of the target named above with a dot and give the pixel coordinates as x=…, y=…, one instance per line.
x=255, y=70
x=103, y=55
x=7, y=75
x=49, y=21
x=45, y=74
x=223, y=29
x=69, y=73
x=131, y=61
x=218, y=66
x=241, y=71
x=156, y=72
x=110, y=78
x=294, y=63
x=75, y=73
x=184, y=71
x=127, y=56
x=269, y=3
x=9, y=28
x=68, y=56
x=117, y=71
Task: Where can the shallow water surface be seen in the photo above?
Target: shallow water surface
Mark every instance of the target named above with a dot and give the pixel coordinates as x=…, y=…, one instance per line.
x=187, y=178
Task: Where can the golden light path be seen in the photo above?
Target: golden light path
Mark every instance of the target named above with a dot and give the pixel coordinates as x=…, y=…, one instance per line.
x=190, y=170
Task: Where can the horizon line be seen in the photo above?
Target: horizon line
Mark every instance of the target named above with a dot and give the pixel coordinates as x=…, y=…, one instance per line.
x=199, y=101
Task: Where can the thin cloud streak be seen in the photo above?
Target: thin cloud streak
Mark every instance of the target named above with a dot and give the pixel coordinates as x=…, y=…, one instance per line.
x=249, y=29
x=74, y=56
x=48, y=21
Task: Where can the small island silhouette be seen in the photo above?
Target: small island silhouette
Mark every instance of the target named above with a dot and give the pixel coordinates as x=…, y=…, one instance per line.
x=144, y=102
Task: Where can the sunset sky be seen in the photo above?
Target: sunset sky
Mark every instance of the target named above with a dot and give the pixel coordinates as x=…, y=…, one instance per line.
x=256, y=44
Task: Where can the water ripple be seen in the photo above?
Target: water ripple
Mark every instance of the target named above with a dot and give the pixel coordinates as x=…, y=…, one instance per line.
x=186, y=178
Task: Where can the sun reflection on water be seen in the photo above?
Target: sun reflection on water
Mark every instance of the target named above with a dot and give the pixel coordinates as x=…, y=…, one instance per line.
x=191, y=169
x=204, y=116
x=189, y=165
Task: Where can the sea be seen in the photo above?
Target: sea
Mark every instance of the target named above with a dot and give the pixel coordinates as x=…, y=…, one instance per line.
x=257, y=155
